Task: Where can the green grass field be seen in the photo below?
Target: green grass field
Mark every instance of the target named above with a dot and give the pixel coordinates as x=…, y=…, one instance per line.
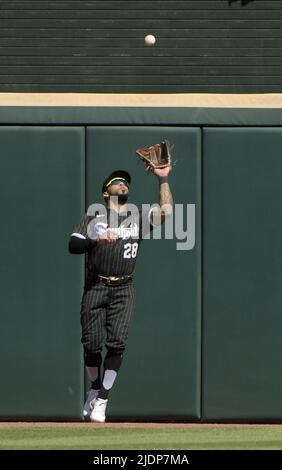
x=141, y=438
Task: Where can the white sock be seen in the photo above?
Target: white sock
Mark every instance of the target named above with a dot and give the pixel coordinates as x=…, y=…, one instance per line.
x=109, y=378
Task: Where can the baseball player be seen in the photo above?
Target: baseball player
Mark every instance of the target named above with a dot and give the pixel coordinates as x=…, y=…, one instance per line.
x=108, y=297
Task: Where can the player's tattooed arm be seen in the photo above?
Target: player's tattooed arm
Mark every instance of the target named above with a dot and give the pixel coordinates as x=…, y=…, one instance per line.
x=166, y=198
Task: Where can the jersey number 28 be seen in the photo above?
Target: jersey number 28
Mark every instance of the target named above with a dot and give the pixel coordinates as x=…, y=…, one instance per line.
x=130, y=250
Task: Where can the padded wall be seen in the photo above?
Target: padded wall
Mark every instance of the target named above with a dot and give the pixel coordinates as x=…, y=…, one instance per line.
x=160, y=376
x=43, y=188
x=42, y=196
x=242, y=272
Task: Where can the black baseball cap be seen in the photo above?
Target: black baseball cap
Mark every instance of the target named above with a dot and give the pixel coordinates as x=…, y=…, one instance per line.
x=118, y=174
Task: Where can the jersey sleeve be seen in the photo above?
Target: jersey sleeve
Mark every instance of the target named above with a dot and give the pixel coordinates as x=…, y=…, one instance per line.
x=80, y=230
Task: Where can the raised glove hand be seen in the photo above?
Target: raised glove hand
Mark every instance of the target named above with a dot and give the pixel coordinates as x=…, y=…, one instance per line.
x=157, y=158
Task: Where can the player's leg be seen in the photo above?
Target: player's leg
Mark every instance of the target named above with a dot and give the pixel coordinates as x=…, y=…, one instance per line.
x=93, y=314
x=94, y=374
x=119, y=316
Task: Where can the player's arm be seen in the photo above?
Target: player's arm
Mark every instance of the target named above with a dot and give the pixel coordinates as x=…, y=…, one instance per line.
x=80, y=242
x=79, y=245
x=159, y=214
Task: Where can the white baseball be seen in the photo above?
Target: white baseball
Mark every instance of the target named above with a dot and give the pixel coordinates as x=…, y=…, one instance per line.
x=150, y=40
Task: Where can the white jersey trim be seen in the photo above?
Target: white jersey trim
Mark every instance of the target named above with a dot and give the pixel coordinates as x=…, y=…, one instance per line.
x=78, y=235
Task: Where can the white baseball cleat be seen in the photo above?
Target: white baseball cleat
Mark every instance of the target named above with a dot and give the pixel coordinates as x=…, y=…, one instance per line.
x=98, y=412
x=88, y=405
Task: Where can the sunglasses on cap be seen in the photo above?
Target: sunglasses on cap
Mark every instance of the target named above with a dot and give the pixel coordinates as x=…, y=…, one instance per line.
x=115, y=181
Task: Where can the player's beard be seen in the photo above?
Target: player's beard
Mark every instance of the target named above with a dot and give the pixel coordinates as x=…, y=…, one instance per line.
x=122, y=198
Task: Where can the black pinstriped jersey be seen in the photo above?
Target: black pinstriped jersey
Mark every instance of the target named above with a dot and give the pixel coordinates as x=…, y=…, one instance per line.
x=119, y=258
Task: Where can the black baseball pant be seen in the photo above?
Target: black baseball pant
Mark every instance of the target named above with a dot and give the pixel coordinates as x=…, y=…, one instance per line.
x=106, y=313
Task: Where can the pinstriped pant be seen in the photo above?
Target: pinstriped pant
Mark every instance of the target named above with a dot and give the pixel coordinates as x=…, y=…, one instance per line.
x=106, y=313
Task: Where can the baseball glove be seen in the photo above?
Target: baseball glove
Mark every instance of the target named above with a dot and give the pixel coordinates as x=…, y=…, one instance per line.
x=157, y=156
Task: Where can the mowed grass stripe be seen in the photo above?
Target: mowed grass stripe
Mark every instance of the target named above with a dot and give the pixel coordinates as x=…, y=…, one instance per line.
x=140, y=439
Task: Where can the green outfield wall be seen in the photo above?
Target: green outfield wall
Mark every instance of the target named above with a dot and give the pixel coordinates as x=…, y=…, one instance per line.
x=242, y=273
x=205, y=342
x=42, y=190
